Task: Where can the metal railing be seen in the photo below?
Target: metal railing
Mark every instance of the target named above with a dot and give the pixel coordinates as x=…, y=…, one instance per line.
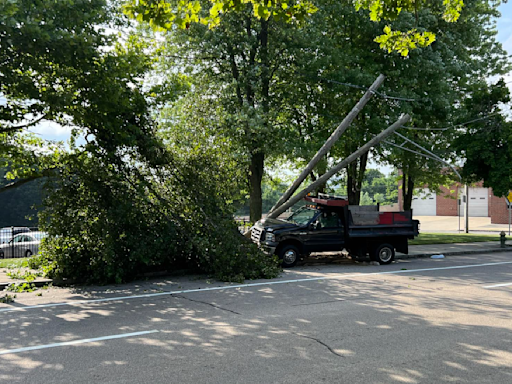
x=19, y=241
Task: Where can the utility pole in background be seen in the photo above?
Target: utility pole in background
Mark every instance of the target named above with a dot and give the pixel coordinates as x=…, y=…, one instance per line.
x=466, y=209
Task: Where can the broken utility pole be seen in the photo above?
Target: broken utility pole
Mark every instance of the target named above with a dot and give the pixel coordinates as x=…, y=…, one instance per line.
x=324, y=178
x=330, y=142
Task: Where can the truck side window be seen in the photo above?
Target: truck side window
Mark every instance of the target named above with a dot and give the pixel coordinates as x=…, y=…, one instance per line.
x=329, y=220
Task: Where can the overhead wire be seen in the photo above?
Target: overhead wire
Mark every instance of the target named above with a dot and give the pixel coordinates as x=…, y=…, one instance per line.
x=452, y=126
x=435, y=157
x=383, y=95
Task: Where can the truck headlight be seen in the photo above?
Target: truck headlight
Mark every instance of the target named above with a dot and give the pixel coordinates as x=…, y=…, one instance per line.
x=270, y=237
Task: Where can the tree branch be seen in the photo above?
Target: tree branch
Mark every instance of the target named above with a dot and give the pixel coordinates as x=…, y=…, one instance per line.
x=19, y=183
x=19, y=127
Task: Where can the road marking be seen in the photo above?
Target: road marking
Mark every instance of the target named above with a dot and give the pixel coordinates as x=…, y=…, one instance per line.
x=498, y=285
x=249, y=285
x=74, y=342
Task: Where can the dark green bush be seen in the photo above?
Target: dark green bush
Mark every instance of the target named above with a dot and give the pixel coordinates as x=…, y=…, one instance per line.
x=110, y=222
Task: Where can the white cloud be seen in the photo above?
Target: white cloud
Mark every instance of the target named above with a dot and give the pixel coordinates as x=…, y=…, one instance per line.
x=52, y=131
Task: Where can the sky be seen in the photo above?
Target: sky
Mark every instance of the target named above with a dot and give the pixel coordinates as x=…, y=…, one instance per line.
x=53, y=131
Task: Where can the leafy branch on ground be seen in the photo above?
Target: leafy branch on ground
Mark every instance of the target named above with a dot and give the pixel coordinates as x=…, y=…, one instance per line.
x=21, y=287
x=28, y=276
x=7, y=299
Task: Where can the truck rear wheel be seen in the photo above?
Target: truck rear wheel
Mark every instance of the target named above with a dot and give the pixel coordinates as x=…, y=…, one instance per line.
x=384, y=254
x=289, y=256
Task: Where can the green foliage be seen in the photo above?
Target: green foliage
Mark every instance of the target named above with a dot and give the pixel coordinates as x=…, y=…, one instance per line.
x=28, y=276
x=451, y=238
x=121, y=204
x=7, y=299
x=438, y=80
x=163, y=14
x=21, y=287
x=14, y=263
x=403, y=42
x=110, y=221
x=378, y=188
x=54, y=67
x=486, y=145
x=34, y=262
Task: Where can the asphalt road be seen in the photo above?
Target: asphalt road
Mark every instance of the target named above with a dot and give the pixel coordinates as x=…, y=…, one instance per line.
x=415, y=321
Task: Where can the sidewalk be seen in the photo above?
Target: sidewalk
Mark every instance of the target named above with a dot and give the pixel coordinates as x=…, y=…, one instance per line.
x=454, y=249
x=6, y=280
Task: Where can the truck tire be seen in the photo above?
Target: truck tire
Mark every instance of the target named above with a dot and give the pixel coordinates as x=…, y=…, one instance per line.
x=289, y=256
x=384, y=254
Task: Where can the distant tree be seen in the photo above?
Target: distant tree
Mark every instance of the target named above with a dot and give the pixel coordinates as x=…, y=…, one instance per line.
x=486, y=145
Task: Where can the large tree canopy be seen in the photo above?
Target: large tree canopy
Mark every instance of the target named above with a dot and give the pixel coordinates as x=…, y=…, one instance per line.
x=58, y=64
x=121, y=203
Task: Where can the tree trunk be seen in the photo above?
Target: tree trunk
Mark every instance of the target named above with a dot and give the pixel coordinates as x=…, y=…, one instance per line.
x=355, y=177
x=407, y=191
x=258, y=156
x=255, y=176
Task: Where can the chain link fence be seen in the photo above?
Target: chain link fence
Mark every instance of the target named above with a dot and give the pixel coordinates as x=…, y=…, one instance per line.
x=19, y=241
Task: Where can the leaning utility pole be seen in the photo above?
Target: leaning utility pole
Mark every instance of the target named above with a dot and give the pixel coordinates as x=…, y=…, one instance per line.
x=365, y=148
x=330, y=142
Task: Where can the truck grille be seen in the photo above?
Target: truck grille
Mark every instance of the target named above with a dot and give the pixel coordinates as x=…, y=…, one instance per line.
x=256, y=234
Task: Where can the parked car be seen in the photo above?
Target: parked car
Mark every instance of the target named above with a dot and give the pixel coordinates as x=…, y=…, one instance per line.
x=7, y=233
x=22, y=245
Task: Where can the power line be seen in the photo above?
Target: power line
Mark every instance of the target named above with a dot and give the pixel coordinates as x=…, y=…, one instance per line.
x=452, y=126
x=383, y=95
x=430, y=155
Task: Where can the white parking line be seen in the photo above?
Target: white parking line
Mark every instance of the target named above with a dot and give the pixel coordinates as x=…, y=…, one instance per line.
x=498, y=285
x=330, y=277
x=82, y=341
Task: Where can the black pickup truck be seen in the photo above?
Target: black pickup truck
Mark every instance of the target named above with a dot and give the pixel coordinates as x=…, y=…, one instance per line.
x=330, y=224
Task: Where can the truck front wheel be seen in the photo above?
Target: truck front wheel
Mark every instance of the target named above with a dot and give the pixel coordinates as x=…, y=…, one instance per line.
x=289, y=256
x=384, y=254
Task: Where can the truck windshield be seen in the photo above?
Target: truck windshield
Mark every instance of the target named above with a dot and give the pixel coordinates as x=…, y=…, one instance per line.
x=302, y=216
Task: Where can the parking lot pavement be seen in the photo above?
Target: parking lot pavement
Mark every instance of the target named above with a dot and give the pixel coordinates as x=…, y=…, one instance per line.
x=415, y=321
x=453, y=224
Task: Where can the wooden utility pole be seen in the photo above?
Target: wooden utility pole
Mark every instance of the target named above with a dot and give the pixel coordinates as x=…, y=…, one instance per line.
x=340, y=166
x=330, y=142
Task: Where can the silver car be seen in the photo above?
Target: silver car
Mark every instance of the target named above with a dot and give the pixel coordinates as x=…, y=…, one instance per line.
x=22, y=245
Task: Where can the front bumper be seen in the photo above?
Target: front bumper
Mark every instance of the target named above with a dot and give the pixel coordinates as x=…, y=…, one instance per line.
x=268, y=247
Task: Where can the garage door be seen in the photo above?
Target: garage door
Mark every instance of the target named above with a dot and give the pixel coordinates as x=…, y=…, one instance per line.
x=478, y=202
x=424, y=203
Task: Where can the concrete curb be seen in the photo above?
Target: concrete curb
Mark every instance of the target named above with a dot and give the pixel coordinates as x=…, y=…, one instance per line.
x=452, y=253
x=37, y=283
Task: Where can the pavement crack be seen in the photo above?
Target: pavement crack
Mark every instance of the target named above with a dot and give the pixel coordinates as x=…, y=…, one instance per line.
x=319, y=302
x=207, y=303
x=319, y=342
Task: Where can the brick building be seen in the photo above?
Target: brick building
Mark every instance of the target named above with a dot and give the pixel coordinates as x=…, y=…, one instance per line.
x=450, y=202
